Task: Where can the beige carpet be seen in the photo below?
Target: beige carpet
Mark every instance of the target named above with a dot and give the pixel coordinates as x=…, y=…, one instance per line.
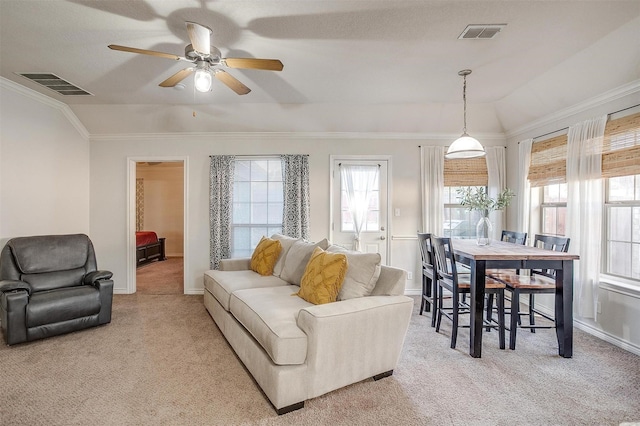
x=162, y=361
x=161, y=277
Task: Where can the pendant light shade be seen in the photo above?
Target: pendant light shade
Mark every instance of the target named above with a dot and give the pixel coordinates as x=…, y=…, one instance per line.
x=465, y=146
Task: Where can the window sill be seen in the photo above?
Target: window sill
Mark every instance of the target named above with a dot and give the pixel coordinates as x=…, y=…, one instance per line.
x=620, y=285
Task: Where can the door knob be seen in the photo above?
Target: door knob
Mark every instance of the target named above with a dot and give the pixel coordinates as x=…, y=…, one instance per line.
x=383, y=238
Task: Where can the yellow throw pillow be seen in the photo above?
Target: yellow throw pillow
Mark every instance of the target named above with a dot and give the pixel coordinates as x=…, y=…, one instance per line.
x=323, y=277
x=265, y=256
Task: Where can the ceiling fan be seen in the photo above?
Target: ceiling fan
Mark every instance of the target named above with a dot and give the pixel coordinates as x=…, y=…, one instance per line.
x=207, y=61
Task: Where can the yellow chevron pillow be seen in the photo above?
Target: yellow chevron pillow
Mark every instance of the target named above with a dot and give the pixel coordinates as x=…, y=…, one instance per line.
x=323, y=277
x=265, y=256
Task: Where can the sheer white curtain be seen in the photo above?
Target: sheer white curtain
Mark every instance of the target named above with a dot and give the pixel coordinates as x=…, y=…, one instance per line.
x=523, y=196
x=359, y=181
x=584, y=209
x=432, y=188
x=497, y=182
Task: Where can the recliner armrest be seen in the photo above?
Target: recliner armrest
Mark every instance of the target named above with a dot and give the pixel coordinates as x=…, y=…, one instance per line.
x=13, y=285
x=92, y=277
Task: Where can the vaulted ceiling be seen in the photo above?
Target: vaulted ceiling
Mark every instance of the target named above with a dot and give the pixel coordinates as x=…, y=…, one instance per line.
x=349, y=66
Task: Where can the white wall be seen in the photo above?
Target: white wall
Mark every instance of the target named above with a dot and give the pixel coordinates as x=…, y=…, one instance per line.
x=620, y=304
x=109, y=184
x=44, y=166
x=163, y=203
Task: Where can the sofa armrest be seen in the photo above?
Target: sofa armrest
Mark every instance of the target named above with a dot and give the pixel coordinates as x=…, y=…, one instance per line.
x=105, y=287
x=92, y=278
x=239, y=264
x=13, y=310
x=351, y=340
x=13, y=285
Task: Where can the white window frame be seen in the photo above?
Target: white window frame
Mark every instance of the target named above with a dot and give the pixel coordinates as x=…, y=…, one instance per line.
x=271, y=228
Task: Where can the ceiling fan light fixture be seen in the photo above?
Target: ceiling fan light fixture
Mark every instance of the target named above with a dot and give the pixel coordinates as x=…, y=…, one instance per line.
x=202, y=80
x=465, y=146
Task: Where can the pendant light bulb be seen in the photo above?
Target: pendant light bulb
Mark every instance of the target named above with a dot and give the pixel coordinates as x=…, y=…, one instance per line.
x=202, y=80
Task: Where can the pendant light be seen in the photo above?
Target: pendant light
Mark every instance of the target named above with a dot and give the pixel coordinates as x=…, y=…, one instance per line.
x=465, y=146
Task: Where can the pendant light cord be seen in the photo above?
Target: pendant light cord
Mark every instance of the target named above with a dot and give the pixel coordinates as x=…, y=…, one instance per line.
x=464, y=100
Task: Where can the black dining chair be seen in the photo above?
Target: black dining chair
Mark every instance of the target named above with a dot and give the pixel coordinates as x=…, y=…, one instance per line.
x=508, y=237
x=539, y=281
x=448, y=279
x=429, y=286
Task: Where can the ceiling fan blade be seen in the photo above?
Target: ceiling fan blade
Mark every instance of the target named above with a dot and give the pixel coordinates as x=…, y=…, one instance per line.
x=231, y=82
x=254, y=63
x=200, y=37
x=144, y=52
x=177, y=77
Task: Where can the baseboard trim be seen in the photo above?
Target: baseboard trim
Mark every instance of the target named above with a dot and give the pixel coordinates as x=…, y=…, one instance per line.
x=607, y=337
x=590, y=329
x=413, y=292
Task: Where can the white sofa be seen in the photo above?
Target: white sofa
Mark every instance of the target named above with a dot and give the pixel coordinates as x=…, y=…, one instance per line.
x=296, y=350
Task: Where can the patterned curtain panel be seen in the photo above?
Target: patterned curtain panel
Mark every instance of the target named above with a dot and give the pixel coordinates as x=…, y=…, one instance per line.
x=220, y=199
x=295, y=220
x=139, y=204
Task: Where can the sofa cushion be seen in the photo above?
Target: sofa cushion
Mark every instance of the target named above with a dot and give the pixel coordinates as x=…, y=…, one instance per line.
x=362, y=274
x=286, y=243
x=270, y=315
x=222, y=283
x=62, y=304
x=297, y=259
x=265, y=255
x=323, y=277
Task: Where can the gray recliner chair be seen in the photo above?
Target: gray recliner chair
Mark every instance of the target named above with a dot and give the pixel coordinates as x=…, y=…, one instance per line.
x=50, y=285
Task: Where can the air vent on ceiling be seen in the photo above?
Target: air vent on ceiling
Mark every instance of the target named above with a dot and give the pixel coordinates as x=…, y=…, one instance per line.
x=55, y=83
x=481, y=31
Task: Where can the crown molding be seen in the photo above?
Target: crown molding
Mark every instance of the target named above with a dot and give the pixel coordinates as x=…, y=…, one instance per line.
x=46, y=100
x=594, y=102
x=251, y=136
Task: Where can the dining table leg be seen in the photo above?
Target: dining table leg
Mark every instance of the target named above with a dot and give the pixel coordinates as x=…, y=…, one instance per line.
x=478, y=272
x=564, y=309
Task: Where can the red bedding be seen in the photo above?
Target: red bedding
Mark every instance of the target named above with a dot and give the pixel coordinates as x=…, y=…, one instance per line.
x=146, y=237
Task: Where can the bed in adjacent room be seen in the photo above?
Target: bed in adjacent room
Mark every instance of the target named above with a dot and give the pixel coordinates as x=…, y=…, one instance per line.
x=149, y=247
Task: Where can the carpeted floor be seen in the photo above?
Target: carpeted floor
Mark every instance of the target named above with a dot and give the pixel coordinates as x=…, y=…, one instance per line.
x=161, y=277
x=162, y=361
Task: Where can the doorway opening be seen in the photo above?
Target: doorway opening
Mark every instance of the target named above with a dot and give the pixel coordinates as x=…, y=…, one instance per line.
x=157, y=226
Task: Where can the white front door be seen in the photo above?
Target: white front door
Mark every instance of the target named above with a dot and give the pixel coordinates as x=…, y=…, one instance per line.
x=373, y=236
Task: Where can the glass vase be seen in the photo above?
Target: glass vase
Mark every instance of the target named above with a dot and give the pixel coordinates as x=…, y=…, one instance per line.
x=483, y=231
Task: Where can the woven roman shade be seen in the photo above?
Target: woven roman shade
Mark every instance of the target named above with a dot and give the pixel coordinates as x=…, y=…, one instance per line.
x=548, y=161
x=621, y=147
x=466, y=172
x=620, y=153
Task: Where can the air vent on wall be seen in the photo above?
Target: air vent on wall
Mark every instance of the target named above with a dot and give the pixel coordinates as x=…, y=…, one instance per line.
x=483, y=32
x=55, y=83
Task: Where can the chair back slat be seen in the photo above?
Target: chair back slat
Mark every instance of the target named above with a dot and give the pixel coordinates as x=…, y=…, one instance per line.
x=514, y=237
x=550, y=242
x=426, y=252
x=444, y=260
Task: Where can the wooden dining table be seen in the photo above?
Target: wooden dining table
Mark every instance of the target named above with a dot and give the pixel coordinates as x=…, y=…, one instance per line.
x=503, y=255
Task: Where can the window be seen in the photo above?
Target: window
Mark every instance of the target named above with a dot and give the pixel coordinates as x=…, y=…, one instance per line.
x=372, y=222
x=458, y=221
x=554, y=209
x=257, y=203
x=622, y=228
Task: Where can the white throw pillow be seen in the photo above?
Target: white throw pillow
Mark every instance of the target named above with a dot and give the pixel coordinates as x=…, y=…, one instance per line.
x=362, y=273
x=297, y=259
x=286, y=243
